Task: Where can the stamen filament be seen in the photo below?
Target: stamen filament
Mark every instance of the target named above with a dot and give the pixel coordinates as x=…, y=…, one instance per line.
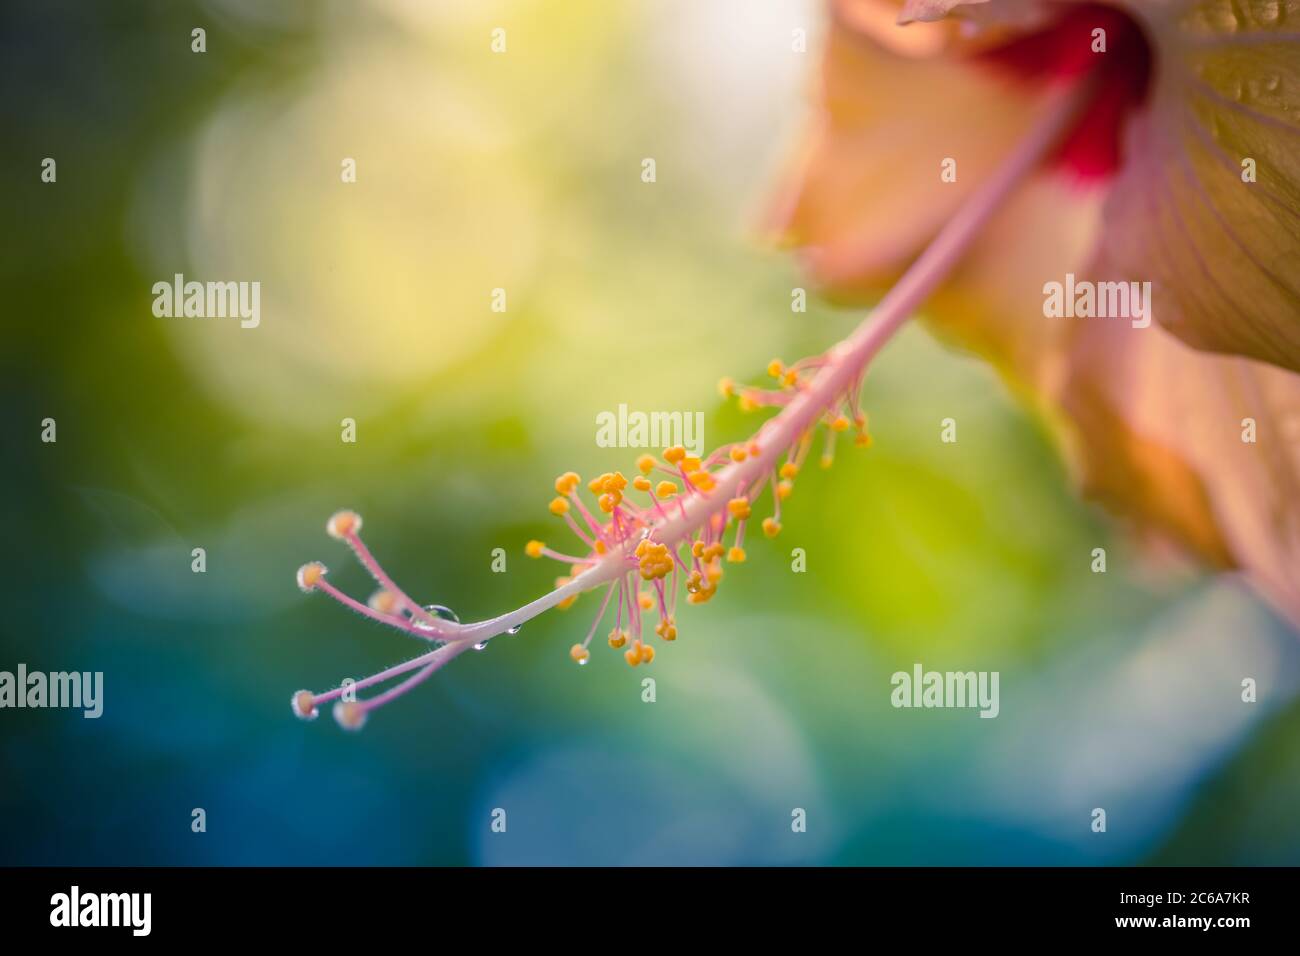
x=600, y=615
x=366, y=611
x=383, y=580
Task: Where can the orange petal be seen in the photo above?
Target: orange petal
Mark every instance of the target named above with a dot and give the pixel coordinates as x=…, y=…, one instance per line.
x=867, y=193
x=1222, y=251
x=1161, y=427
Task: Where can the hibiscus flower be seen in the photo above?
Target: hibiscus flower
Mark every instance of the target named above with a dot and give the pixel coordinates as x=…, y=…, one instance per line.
x=1182, y=170
x=1003, y=153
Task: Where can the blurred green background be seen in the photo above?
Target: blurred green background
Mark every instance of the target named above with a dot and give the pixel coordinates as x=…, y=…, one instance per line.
x=522, y=171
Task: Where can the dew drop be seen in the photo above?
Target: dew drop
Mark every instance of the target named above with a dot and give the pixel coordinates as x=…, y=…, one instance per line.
x=481, y=646
x=583, y=662
x=515, y=630
x=437, y=610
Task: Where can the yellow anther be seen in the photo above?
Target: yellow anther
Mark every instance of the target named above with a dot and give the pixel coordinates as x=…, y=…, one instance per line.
x=579, y=653
x=775, y=368
x=736, y=555
x=641, y=483
x=754, y=450
x=600, y=547
x=651, y=571
x=737, y=454
x=633, y=654
x=790, y=378
x=702, y=480
x=771, y=527
x=863, y=440
x=647, y=653
x=566, y=483
x=726, y=387
x=559, y=506
x=674, y=455
x=309, y=575
x=839, y=424
x=784, y=488
x=690, y=464
x=646, y=464
x=714, y=571
x=342, y=524
x=655, y=562
x=645, y=600
x=607, y=503
x=597, y=485
x=616, y=482
x=827, y=460
x=667, y=630
x=534, y=548
x=697, y=549
x=617, y=638
x=746, y=402
x=714, y=551
x=665, y=489
x=739, y=508
x=789, y=470
x=703, y=593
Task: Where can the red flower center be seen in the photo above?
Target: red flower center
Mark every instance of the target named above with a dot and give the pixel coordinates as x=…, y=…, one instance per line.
x=1071, y=46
